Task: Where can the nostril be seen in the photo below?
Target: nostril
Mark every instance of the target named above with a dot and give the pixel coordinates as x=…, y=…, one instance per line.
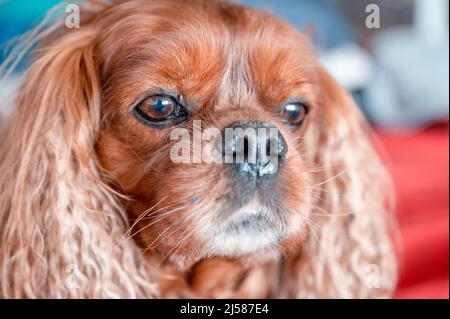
x=246, y=149
x=268, y=149
x=255, y=148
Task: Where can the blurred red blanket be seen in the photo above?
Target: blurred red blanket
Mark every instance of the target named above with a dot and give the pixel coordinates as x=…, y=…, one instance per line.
x=419, y=164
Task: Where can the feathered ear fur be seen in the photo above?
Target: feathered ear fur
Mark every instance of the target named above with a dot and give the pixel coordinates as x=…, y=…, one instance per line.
x=61, y=226
x=349, y=252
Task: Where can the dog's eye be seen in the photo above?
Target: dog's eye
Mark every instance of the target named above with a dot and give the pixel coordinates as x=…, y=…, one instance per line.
x=160, y=110
x=158, y=107
x=294, y=113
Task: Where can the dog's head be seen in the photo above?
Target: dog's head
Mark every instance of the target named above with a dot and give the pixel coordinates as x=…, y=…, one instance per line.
x=180, y=85
x=217, y=124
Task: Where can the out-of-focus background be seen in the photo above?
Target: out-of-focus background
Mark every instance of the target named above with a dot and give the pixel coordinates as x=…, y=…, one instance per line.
x=393, y=55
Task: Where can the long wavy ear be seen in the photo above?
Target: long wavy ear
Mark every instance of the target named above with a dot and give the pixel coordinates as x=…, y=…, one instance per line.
x=349, y=252
x=61, y=226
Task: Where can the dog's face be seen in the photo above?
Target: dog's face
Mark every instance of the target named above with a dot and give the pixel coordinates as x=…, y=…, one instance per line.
x=139, y=101
x=214, y=65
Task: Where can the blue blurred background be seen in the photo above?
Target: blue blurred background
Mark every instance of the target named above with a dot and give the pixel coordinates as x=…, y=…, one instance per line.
x=398, y=73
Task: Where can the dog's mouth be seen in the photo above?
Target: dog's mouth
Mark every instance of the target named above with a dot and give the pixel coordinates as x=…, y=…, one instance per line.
x=253, y=218
x=248, y=229
x=251, y=221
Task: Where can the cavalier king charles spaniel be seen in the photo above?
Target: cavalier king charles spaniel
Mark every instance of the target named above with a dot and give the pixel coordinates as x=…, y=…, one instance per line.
x=93, y=204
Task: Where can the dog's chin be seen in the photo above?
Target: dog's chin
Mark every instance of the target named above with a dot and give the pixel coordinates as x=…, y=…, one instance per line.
x=250, y=229
x=251, y=235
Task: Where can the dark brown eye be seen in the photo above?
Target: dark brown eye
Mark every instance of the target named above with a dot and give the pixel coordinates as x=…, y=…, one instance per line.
x=294, y=113
x=160, y=110
x=158, y=107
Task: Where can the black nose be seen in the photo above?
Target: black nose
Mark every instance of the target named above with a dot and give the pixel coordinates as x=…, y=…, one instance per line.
x=256, y=149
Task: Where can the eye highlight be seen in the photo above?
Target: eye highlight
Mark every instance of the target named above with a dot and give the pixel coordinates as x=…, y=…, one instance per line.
x=160, y=110
x=294, y=113
x=158, y=107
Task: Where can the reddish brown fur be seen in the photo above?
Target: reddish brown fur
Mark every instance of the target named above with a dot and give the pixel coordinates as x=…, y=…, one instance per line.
x=231, y=63
x=193, y=62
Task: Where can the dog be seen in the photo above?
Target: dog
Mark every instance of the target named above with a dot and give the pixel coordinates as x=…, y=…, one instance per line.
x=93, y=205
